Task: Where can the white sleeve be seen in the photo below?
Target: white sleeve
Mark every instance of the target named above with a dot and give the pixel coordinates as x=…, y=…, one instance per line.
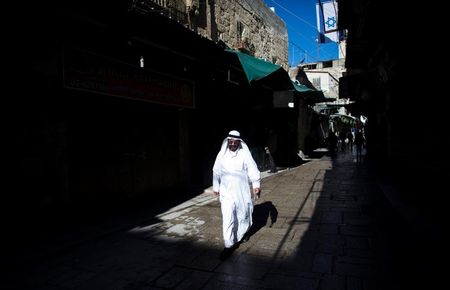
x=216, y=174
x=216, y=182
x=253, y=172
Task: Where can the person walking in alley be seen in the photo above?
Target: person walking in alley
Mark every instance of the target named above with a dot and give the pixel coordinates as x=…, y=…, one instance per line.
x=350, y=140
x=331, y=142
x=359, y=143
x=342, y=138
x=235, y=179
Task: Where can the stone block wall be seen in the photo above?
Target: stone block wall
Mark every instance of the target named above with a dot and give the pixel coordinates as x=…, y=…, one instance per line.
x=249, y=25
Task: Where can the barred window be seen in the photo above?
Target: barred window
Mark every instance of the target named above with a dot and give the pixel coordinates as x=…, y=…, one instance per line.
x=240, y=30
x=316, y=83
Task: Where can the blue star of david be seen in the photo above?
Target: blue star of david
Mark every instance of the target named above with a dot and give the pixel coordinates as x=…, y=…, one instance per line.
x=331, y=22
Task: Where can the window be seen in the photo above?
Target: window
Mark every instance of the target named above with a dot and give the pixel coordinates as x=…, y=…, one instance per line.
x=327, y=64
x=240, y=31
x=316, y=83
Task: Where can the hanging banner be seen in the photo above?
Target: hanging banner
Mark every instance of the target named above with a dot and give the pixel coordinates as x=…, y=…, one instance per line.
x=327, y=21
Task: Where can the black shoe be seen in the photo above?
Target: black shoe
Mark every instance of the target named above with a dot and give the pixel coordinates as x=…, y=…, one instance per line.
x=226, y=253
x=245, y=238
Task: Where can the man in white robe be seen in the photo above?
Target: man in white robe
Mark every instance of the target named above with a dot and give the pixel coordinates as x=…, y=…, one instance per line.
x=235, y=179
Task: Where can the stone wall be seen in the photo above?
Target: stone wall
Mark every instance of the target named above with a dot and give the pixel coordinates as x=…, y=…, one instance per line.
x=249, y=25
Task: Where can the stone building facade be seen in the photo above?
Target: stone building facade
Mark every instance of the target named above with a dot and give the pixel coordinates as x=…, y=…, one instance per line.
x=247, y=25
x=252, y=26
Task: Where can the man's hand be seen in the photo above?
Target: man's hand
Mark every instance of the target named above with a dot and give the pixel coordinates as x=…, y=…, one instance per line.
x=256, y=193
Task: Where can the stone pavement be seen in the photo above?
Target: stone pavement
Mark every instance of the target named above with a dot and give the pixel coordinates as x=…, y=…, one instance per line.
x=323, y=225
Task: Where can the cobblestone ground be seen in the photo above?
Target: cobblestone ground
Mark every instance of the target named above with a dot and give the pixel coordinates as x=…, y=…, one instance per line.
x=323, y=225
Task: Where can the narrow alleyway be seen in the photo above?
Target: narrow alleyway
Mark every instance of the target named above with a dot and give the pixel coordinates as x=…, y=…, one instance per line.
x=326, y=224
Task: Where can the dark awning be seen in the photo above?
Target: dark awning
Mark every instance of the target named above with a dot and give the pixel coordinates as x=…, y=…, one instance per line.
x=275, y=77
x=346, y=119
x=301, y=88
x=263, y=72
x=310, y=96
x=255, y=68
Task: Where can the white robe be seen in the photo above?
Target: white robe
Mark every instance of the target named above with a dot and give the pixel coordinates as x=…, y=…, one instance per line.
x=233, y=172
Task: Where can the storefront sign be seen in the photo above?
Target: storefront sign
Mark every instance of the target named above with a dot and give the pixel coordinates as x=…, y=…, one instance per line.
x=99, y=74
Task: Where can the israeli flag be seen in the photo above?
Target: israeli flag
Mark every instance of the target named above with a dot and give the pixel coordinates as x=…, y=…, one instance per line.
x=327, y=20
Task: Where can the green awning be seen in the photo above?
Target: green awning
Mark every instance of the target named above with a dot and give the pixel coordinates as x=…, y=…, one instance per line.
x=274, y=76
x=301, y=88
x=264, y=73
x=310, y=96
x=346, y=119
x=255, y=68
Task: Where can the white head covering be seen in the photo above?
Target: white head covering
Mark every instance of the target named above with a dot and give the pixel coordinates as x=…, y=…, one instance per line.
x=233, y=135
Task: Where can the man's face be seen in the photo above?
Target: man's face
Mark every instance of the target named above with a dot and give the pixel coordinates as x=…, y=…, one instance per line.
x=233, y=145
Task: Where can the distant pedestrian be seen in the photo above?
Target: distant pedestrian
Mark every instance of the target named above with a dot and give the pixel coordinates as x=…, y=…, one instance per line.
x=273, y=167
x=342, y=137
x=359, y=143
x=236, y=179
x=350, y=140
x=331, y=142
